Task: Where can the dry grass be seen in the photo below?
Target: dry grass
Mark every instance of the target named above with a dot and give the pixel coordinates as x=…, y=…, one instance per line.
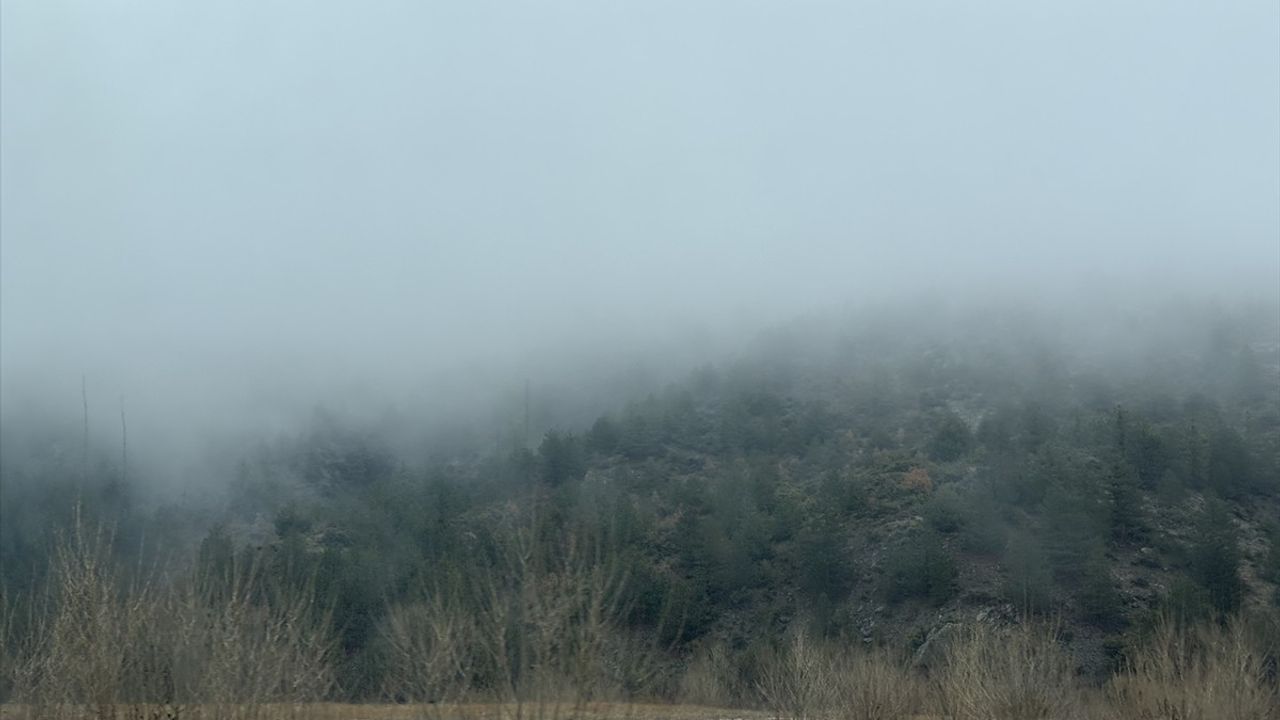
x=472, y=711
x=877, y=684
x=537, y=637
x=428, y=641
x=814, y=679
x=1211, y=672
x=1020, y=673
x=1015, y=673
x=710, y=678
x=205, y=648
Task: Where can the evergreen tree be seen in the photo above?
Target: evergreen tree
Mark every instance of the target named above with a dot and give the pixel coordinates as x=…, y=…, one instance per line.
x=921, y=568
x=1124, y=504
x=1271, y=570
x=1230, y=468
x=560, y=459
x=951, y=439
x=1028, y=582
x=1099, y=600
x=1036, y=426
x=1072, y=527
x=604, y=436
x=1215, y=558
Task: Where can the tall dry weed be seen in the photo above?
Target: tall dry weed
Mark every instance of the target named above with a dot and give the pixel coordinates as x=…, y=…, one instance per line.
x=810, y=678
x=877, y=684
x=710, y=678
x=1020, y=673
x=109, y=648
x=797, y=680
x=431, y=649
x=1206, y=672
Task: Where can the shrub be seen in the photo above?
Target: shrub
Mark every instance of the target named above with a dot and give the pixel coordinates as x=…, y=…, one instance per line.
x=796, y=681
x=1015, y=674
x=222, y=645
x=1202, y=671
x=917, y=480
x=809, y=678
x=710, y=678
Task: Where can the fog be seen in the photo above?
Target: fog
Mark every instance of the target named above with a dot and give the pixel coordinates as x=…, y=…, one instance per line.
x=230, y=213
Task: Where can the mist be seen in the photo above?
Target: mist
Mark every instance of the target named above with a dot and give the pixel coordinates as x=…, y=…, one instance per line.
x=678, y=359
x=230, y=214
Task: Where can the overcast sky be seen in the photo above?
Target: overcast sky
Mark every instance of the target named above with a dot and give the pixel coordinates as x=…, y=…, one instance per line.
x=256, y=188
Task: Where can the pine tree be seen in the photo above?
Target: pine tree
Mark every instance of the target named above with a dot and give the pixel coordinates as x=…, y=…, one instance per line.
x=1028, y=581
x=951, y=439
x=1099, y=600
x=1124, y=503
x=1072, y=527
x=1215, y=558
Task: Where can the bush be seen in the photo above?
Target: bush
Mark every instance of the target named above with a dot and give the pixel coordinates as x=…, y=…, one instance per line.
x=1018, y=674
x=1203, y=671
x=877, y=684
x=710, y=678
x=229, y=640
x=796, y=681
x=808, y=678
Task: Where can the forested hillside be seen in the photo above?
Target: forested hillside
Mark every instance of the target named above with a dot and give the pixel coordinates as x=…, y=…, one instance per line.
x=878, y=482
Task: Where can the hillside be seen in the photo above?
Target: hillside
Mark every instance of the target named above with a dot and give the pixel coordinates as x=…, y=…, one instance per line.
x=873, y=487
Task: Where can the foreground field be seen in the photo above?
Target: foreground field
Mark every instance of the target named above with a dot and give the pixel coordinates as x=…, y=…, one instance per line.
x=344, y=711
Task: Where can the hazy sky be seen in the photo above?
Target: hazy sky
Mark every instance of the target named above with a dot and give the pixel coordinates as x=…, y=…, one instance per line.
x=197, y=190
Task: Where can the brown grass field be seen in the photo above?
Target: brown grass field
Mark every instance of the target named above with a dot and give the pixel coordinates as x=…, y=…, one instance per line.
x=475, y=711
